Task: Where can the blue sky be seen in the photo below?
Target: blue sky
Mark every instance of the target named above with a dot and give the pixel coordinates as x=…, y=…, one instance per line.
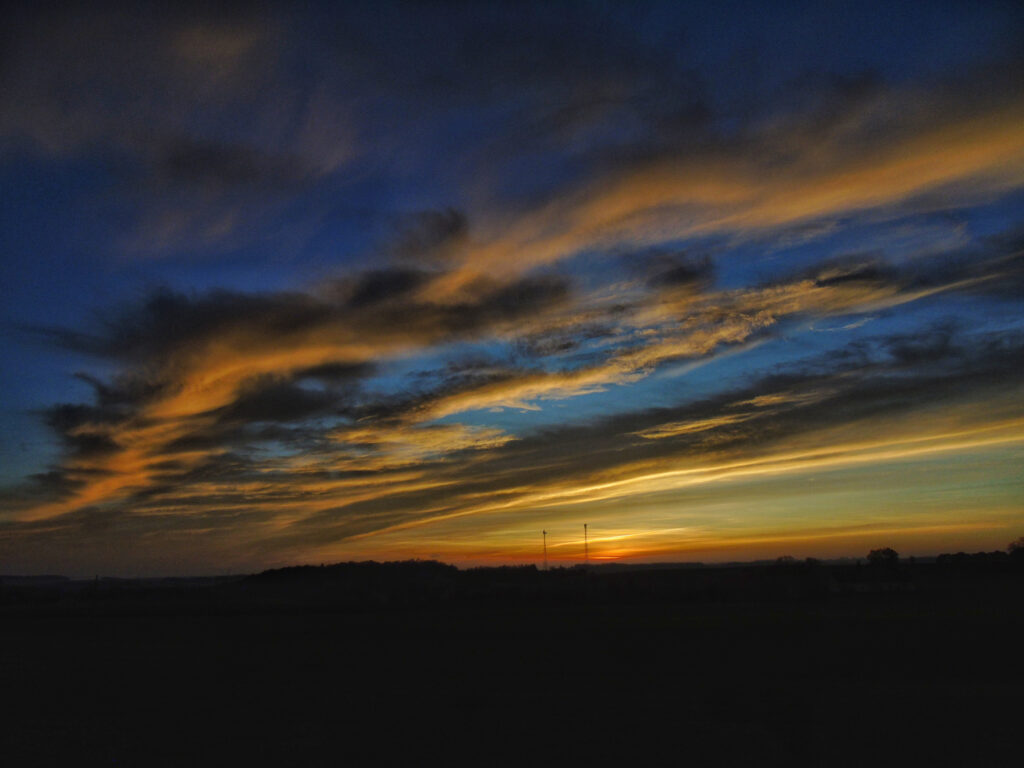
x=421, y=279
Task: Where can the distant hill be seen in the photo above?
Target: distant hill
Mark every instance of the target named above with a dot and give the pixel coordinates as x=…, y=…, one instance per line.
x=33, y=581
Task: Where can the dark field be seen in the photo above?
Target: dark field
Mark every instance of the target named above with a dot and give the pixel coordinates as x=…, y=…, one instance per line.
x=520, y=667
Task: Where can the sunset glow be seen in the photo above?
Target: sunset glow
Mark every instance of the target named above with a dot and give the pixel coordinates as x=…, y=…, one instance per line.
x=305, y=286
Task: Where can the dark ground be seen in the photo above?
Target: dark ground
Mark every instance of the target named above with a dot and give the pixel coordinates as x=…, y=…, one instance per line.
x=762, y=666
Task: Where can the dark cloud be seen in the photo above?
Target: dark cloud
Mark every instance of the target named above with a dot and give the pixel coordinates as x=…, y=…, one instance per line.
x=55, y=484
x=168, y=320
x=935, y=344
x=522, y=298
x=674, y=269
x=267, y=399
x=80, y=427
x=337, y=372
x=428, y=236
x=93, y=520
x=548, y=345
x=217, y=166
x=379, y=286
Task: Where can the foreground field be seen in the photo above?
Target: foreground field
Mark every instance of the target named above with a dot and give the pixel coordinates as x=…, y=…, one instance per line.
x=834, y=680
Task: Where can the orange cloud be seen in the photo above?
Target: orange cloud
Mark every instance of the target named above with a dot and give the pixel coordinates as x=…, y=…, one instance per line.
x=968, y=157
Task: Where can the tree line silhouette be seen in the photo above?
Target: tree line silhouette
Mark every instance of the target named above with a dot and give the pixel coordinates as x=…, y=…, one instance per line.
x=371, y=585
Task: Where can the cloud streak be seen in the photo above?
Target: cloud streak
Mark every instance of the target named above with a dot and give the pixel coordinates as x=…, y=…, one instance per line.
x=438, y=264
x=264, y=414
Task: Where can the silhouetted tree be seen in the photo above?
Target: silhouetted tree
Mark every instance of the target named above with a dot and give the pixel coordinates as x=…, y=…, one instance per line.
x=886, y=556
x=1016, y=549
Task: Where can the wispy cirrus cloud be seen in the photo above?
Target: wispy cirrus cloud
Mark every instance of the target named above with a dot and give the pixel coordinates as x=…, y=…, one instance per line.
x=757, y=186
x=271, y=406
x=582, y=270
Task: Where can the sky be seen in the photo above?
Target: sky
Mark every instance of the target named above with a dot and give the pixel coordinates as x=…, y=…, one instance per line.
x=306, y=283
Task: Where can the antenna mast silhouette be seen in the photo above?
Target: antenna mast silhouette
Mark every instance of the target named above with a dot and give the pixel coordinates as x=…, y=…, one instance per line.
x=586, y=546
x=545, y=549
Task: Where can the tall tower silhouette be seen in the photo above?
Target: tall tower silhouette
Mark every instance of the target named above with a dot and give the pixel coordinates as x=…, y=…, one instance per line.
x=545, y=549
x=586, y=546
